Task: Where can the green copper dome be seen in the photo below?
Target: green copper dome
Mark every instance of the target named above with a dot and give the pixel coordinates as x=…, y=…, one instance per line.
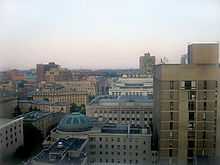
x=74, y=122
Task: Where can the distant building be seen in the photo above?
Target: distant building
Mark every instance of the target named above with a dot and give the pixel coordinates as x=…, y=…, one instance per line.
x=62, y=95
x=184, y=59
x=11, y=136
x=43, y=68
x=137, y=85
x=44, y=105
x=8, y=102
x=186, y=107
x=146, y=63
x=43, y=121
x=58, y=74
x=107, y=143
x=133, y=110
x=87, y=86
x=15, y=75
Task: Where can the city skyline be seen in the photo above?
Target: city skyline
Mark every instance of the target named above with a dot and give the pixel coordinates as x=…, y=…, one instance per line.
x=97, y=35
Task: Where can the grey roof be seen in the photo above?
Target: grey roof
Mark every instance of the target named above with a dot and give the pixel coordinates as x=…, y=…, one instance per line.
x=5, y=121
x=35, y=115
x=74, y=122
x=60, y=148
x=113, y=100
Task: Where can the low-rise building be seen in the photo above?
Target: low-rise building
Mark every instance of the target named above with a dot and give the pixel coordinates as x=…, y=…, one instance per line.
x=139, y=85
x=107, y=143
x=11, y=135
x=133, y=110
x=63, y=151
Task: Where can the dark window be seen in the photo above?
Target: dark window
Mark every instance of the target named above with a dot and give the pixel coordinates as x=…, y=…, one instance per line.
x=170, y=152
x=191, y=144
x=188, y=85
x=205, y=84
x=191, y=116
x=205, y=105
x=171, y=115
x=191, y=106
x=171, y=125
x=190, y=153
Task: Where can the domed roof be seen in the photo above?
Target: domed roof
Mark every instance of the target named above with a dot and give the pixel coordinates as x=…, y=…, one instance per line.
x=74, y=122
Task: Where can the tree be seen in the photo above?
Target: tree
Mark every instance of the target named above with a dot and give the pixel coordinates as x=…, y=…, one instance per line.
x=73, y=107
x=83, y=109
x=33, y=139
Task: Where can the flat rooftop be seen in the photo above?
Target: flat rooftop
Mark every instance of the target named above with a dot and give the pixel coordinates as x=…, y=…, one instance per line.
x=121, y=129
x=60, y=151
x=35, y=115
x=114, y=100
x=5, y=121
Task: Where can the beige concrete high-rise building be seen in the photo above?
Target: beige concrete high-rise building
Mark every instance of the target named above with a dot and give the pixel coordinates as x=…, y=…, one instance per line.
x=186, y=116
x=146, y=63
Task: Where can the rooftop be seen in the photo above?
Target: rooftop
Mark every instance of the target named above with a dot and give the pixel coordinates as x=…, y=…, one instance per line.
x=58, y=152
x=5, y=121
x=74, y=122
x=120, y=129
x=35, y=115
x=114, y=100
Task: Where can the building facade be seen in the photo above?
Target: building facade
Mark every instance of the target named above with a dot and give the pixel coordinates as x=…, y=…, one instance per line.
x=186, y=107
x=139, y=85
x=11, y=136
x=146, y=63
x=44, y=105
x=43, y=68
x=133, y=110
x=62, y=95
x=58, y=74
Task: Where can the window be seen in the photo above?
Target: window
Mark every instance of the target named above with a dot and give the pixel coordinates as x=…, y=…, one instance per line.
x=171, y=106
x=205, y=84
x=188, y=85
x=171, y=115
x=171, y=95
x=191, y=106
x=205, y=106
x=192, y=95
x=171, y=125
x=170, y=152
x=171, y=84
x=191, y=144
x=191, y=116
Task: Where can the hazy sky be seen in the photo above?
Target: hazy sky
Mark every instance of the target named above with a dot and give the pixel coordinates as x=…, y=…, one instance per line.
x=102, y=33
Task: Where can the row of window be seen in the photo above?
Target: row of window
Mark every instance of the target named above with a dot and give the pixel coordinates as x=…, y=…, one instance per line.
x=117, y=161
x=115, y=153
x=101, y=139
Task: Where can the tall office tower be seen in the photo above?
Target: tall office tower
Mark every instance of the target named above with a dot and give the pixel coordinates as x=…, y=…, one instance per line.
x=146, y=63
x=43, y=68
x=186, y=116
